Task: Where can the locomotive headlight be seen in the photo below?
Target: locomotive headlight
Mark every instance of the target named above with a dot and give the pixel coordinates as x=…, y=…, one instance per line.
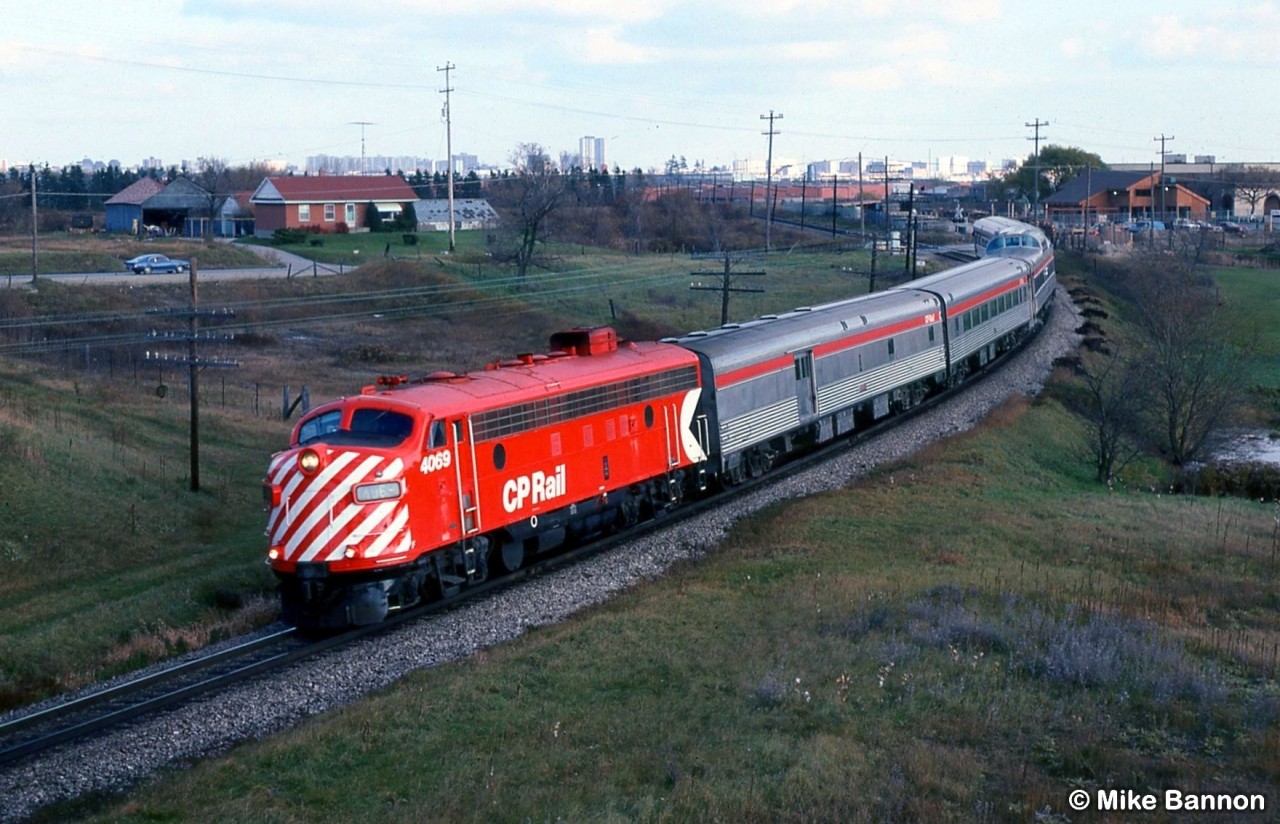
x=274, y=553
x=309, y=461
x=385, y=491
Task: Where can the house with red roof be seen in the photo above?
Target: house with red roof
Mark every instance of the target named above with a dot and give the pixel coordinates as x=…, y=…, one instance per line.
x=327, y=203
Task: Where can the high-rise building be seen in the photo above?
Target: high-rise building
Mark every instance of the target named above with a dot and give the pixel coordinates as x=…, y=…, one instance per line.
x=591, y=153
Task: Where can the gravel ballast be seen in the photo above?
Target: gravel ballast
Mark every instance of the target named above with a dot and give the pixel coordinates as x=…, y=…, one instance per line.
x=118, y=761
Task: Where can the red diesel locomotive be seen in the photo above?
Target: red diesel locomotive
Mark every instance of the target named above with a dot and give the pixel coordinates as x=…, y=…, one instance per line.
x=416, y=488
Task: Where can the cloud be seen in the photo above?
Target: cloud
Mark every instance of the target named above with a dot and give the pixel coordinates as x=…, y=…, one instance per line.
x=340, y=13
x=603, y=45
x=1171, y=39
x=1232, y=35
x=875, y=78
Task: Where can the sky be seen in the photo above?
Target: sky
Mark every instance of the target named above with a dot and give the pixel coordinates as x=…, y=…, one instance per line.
x=263, y=80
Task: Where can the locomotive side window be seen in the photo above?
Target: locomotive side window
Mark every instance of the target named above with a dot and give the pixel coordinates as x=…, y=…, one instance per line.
x=499, y=456
x=438, y=436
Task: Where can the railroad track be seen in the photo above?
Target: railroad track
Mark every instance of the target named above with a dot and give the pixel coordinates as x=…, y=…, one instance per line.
x=99, y=712
x=40, y=730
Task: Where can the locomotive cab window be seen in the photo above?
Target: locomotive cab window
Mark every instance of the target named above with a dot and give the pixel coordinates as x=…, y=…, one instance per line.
x=319, y=426
x=380, y=427
x=438, y=437
x=367, y=427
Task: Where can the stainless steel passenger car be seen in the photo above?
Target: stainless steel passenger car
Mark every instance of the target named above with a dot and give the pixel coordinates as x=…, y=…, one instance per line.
x=780, y=382
x=1008, y=238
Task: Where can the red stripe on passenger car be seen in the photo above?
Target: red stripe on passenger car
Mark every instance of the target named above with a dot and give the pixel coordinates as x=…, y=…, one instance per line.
x=957, y=308
x=787, y=361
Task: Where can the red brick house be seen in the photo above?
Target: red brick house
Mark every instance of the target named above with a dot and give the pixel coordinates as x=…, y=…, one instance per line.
x=330, y=204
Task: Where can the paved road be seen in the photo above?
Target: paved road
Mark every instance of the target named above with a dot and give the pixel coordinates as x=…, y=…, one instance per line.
x=277, y=264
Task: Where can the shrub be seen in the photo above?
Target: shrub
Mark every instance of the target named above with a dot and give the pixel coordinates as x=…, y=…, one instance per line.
x=281, y=237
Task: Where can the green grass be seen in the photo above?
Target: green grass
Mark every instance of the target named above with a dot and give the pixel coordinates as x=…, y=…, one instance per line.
x=108, y=561
x=354, y=248
x=61, y=252
x=968, y=635
x=1255, y=304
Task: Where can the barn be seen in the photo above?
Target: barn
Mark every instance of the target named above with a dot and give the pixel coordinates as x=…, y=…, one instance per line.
x=182, y=208
x=124, y=209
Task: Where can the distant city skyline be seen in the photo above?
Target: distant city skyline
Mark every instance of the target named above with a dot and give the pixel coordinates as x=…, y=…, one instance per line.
x=946, y=167
x=912, y=80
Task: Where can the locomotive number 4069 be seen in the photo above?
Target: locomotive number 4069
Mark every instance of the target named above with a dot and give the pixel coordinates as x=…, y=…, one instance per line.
x=436, y=460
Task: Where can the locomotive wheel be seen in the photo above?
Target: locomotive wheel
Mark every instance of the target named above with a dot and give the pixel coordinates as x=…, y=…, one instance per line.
x=507, y=556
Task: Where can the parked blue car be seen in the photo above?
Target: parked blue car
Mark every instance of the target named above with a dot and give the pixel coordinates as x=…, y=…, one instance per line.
x=156, y=263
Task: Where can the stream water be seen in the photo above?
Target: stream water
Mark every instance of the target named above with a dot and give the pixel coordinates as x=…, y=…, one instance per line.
x=1247, y=446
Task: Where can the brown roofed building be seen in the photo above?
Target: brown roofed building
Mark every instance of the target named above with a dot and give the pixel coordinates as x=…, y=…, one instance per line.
x=326, y=204
x=124, y=208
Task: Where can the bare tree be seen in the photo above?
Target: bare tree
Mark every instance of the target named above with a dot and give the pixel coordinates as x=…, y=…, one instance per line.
x=1187, y=356
x=211, y=175
x=1254, y=183
x=529, y=196
x=1111, y=407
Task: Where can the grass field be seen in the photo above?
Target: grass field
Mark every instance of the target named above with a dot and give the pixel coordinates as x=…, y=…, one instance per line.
x=1027, y=633
x=94, y=584
x=63, y=252
x=967, y=636
x=1254, y=297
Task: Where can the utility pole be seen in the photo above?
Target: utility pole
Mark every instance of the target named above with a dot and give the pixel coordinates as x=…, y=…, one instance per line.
x=361, y=123
x=887, y=222
x=908, y=265
x=835, y=201
x=768, y=172
x=862, y=209
x=726, y=285
x=1162, y=139
x=448, y=142
x=193, y=362
x=35, y=255
x=1035, y=186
